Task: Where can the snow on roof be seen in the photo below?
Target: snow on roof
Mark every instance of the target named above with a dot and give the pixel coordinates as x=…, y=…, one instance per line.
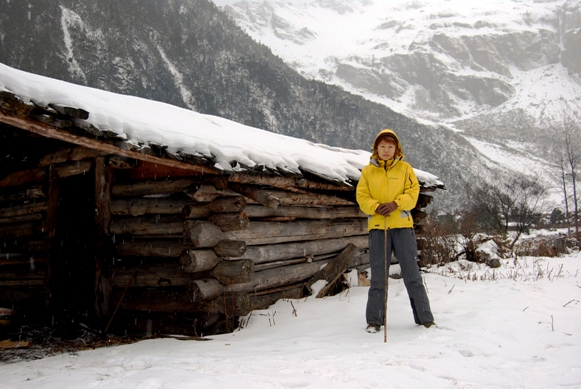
x=231, y=146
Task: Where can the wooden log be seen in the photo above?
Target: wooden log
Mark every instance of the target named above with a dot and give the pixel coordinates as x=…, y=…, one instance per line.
x=72, y=112
x=335, y=267
x=25, y=246
x=230, y=221
x=152, y=276
x=25, y=177
x=53, y=199
x=234, y=272
x=21, y=219
x=257, y=211
x=228, y=204
x=230, y=248
x=287, y=198
x=275, y=252
x=13, y=105
x=49, y=131
x=69, y=154
x=259, y=233
x=279, y=276
x=24, y=230
x=206, y=193
x=120, y=162
x=229, y=304
x=284, y=182
x=294, y=261
x=264, y=299
x=203, y=233
x=167, y=300
x=37, y=175
x=193, y=261
x=424, y=200
x=418, y=215
x=103, y=255
x=149, y=206
x=153, y=187
x=30, y=193
x=205, y=289
x=256, y=194
x=22, y=210
x=148, y=225
x=151, y=248
x=192, y=211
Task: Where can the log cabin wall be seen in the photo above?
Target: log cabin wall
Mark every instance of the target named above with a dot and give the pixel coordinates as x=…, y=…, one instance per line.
x=163, y=246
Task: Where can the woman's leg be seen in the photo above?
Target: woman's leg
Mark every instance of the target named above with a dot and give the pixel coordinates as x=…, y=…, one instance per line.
x=405, y=249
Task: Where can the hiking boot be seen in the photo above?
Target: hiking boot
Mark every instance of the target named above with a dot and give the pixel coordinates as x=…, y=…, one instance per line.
x=428, y=324
x=373, y=328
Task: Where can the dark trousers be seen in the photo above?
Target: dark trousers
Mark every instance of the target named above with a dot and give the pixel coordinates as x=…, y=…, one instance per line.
x=402, y=241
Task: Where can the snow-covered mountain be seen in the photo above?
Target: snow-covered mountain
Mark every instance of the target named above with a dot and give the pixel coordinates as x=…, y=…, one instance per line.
x=506, y=74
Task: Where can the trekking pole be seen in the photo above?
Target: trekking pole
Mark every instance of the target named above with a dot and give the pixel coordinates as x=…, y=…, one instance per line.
x=386, y=280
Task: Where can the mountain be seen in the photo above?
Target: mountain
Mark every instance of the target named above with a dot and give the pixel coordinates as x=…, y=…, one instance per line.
x=504, y=74
x=191, y=54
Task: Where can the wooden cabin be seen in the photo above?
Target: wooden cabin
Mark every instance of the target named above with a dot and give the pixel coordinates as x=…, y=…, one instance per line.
x=132, y=236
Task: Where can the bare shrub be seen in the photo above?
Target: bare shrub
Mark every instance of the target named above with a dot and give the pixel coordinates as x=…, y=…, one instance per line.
x=438, y=243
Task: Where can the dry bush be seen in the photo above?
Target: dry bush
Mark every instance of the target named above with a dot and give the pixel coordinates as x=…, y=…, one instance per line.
x=438, y=244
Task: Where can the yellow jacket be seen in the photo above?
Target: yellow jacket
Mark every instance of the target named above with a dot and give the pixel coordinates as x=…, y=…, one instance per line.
x=386, y=181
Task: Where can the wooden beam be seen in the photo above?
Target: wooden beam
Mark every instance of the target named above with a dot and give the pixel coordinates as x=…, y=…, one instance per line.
x=49, y=131
x=103, y=182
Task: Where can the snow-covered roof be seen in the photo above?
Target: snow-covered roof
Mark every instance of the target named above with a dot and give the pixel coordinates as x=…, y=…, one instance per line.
x=229, y=145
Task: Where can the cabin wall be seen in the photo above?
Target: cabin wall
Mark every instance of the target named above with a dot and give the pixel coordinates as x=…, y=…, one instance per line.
x=142, y=247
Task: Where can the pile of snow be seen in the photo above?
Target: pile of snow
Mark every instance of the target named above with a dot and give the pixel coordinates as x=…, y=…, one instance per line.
x=231, y=145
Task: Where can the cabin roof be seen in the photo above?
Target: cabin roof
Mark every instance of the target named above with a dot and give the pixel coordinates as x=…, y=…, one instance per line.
x=140, y=127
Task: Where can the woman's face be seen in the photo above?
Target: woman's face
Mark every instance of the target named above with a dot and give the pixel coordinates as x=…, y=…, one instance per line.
x=386, y=150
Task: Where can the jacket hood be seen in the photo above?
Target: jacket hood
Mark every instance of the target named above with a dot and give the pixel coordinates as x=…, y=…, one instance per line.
x=398, y=153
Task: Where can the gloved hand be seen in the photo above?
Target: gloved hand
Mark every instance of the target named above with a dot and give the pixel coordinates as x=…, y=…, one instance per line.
x=386, y=208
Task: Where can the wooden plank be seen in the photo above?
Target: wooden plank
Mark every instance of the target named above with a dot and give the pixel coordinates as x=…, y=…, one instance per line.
x=335, y=267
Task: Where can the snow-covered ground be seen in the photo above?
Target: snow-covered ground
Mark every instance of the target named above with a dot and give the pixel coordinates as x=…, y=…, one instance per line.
x=501, y=331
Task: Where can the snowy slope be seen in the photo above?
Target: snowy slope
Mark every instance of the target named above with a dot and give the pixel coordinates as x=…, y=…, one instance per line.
x=516, y=327
x=507, y=73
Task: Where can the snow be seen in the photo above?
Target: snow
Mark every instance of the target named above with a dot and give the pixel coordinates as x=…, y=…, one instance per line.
x=232, y=144
x=513, y=327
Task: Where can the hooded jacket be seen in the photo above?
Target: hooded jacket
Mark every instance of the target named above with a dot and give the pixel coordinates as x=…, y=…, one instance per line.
x=385, y=181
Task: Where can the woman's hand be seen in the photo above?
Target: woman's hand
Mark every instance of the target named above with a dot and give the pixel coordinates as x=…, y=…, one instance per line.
x=386, y=208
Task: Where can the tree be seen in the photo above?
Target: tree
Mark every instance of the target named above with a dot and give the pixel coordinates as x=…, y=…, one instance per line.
x=516, y=203
x=571, y=155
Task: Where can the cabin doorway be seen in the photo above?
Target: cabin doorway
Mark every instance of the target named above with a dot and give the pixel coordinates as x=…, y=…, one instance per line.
x=73, y=260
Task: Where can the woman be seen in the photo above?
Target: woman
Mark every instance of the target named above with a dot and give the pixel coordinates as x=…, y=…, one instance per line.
x=387, y=191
